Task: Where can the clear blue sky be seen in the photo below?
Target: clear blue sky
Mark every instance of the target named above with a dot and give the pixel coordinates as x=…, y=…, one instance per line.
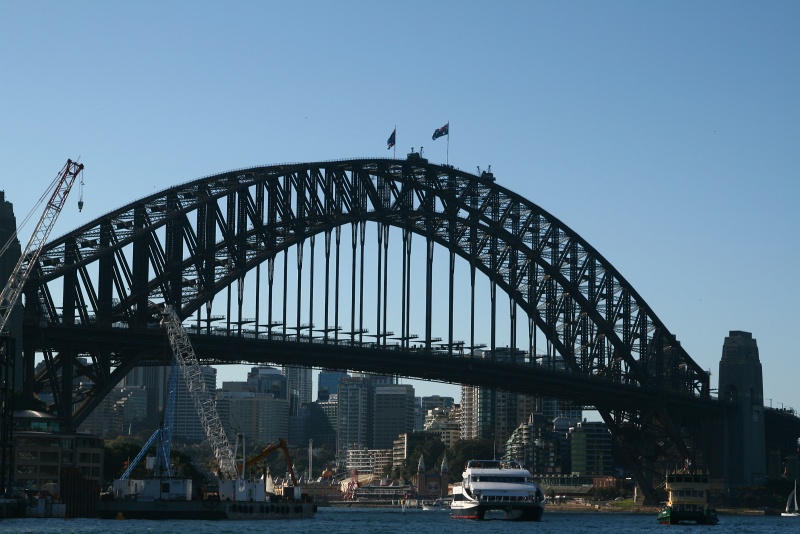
x=667, y=134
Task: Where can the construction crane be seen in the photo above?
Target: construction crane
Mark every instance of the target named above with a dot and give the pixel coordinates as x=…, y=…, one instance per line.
x=203, y=401
x=280, y=444
x=30, y=256
x=163, y=434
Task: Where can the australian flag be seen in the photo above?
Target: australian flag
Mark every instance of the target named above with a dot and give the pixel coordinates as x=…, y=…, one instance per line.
x=390, y=141
x=439, y=132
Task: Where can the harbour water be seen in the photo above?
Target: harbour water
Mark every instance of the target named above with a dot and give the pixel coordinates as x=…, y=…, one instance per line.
x=365, y=520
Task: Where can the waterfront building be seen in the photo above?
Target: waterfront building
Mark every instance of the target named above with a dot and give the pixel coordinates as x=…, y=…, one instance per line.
x=404, y=445
x=590, y=445
x=368, y=462
x=536, y=445
x=42, y=452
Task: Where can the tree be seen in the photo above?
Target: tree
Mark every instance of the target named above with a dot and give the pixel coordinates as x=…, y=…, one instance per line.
x=432, y=449
x=468, y=449
x=118, y=454
x=121, y=451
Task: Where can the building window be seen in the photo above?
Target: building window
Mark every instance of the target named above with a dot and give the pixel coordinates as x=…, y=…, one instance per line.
x=49, y=456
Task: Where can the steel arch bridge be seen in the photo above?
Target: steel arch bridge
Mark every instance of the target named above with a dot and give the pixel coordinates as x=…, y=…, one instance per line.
x=95, y=295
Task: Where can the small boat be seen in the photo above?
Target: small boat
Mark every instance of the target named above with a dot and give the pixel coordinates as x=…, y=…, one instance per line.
x=434, y=506
x=688, y=500
x=791, y=504
x=497, y=486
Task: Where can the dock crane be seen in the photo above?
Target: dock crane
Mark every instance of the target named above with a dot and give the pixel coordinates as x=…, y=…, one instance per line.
x=185, y=361
x=163, y=435
x=203, y=401
x=27, y=261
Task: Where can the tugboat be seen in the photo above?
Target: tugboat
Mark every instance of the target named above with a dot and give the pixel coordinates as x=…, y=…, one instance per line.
x=497, y=485
x=688, y=500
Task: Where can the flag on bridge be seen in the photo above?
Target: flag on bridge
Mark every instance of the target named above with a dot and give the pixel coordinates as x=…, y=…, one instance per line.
x=439, y=132
x=390, y=141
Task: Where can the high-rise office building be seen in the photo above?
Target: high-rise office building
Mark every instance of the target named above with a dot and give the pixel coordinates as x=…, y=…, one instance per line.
x=354, y=402
x=187, y=424
x=322, y=422
x=260, y=417
x=155, y=381
x=266, y=379
x=300, y=385
x=392, y=413
x=328, y=383
x=490, y=414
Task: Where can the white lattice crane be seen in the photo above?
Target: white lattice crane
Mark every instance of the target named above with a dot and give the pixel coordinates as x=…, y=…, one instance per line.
x=60, y=189
x=203, y=401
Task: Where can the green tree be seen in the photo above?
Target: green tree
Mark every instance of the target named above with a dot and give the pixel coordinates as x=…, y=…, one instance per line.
x=465, y=450
x=120, y=452
x=432, y=450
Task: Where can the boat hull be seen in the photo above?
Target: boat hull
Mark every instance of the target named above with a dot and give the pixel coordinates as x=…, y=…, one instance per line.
x=204, y=509
x=669, y=516
x=508, y=512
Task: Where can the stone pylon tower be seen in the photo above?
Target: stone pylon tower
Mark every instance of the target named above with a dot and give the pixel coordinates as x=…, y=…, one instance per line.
x=740, y=382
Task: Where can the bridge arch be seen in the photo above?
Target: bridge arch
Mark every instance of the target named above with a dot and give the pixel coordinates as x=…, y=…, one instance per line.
x=594, y=318
x=188, y=243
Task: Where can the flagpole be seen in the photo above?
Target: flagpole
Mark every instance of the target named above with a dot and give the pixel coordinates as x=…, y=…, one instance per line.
x=448, y=142
x=394, y=146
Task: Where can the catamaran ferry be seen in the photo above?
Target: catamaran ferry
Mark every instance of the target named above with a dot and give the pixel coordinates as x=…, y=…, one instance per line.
x=497, y=486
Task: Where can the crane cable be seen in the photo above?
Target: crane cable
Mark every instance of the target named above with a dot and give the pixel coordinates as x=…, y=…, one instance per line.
x=47, y=193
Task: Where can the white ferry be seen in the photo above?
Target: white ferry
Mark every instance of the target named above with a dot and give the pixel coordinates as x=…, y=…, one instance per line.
x=497, y=486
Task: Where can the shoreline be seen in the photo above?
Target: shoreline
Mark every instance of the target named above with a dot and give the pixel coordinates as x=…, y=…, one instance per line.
x=603, y=508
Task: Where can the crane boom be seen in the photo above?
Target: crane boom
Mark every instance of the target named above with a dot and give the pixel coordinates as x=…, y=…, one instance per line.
x=280, y=444
x=29, y=257
x=203, y=401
